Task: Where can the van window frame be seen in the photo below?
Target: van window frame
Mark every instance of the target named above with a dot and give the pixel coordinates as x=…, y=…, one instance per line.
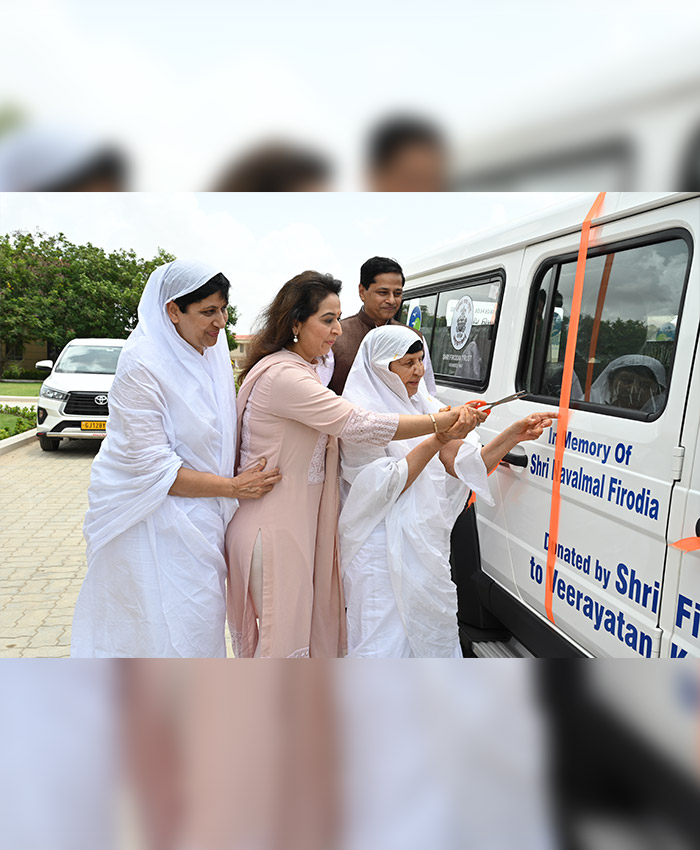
x=557, y=261
x=497, y=275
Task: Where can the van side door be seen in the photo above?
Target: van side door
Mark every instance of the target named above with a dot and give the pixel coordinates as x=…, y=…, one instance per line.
x=628, y=397
x=680, y=607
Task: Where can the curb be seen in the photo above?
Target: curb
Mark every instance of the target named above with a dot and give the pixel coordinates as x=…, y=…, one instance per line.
x=10, y=443
x=19, y=401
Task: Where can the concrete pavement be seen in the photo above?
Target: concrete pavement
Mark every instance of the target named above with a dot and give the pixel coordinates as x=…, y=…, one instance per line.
x=43, y=499
x=19, y=400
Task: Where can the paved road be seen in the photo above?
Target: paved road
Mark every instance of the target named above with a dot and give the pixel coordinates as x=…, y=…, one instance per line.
x=18, y=401
x=43, y=499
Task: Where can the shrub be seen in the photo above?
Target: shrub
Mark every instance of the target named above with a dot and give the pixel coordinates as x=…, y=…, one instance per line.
x=26, y=420
x=13, y=371
x=33, y=375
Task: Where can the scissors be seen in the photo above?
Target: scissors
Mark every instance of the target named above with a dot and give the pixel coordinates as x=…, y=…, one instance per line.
x=487, y=405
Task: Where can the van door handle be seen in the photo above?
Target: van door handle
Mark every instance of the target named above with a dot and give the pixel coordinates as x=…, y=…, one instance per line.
x=515, y=459
x=697, y=528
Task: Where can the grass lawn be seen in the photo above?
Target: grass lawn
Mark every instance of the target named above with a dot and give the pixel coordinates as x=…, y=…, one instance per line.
x=7, y=421
x=29, y=388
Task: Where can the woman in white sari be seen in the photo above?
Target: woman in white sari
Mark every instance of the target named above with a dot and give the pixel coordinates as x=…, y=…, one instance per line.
x=400, y=504
x=162, y=489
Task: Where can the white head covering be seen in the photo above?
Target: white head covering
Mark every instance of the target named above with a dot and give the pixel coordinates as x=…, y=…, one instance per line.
x=212, y=370
x=37, y=156
x=601, y=391
x=165, y=284
x=324, y=368
x=194, y=404
x=372, y=385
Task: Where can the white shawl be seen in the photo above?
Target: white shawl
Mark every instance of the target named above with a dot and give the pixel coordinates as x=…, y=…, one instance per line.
x=169, y=406
x=418, y=521
x=191, y=423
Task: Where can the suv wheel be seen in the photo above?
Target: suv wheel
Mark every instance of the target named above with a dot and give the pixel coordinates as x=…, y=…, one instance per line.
x=48, y=444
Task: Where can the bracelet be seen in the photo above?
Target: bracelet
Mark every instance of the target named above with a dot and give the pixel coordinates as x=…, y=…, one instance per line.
x=434, y=422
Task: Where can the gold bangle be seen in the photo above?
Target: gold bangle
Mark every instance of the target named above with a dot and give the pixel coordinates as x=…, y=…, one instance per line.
x=434, y=422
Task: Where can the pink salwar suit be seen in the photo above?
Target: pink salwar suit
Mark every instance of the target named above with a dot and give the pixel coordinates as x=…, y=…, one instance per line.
x=287, y=416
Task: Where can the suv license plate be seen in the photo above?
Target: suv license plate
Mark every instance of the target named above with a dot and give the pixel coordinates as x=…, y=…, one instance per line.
x=93, y=426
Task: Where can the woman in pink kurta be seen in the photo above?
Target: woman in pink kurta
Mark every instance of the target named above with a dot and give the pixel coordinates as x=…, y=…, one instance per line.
x=285, y=596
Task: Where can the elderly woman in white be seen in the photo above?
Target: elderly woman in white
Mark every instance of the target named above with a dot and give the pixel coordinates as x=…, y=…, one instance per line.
x=162, y=489
x=400, y=503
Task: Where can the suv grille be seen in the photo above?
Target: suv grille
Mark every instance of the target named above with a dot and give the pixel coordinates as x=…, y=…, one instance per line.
x=83, y=404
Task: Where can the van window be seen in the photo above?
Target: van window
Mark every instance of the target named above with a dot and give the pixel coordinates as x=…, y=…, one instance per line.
x=419, y=313
x=627, y=330
x=459, y=326
x=464, y=327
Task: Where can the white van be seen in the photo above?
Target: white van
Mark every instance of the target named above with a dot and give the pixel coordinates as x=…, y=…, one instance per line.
x=495, y=311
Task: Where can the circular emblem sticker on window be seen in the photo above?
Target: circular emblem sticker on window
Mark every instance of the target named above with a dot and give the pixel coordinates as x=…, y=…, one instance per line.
x=462, y=320
x=414, y=320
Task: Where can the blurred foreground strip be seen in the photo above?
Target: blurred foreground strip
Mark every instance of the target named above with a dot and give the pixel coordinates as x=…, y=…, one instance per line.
x=214, y=755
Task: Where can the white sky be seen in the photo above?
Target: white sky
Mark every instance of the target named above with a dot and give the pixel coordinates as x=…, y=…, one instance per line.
x=260, y=241
x=186, y=84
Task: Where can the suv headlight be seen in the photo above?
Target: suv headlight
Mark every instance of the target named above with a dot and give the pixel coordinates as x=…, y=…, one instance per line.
x=47, y=392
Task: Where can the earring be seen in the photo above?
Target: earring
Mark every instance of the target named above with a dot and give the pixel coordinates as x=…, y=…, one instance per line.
x=296, y=338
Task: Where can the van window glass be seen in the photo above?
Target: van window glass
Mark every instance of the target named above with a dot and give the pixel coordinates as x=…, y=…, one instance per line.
x=539, y=336
x=419, y=313
x=627, y=330
x=464, y=325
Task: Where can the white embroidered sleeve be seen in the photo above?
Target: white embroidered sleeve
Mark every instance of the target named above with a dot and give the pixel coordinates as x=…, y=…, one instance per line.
x=366, y=426
x=470, y=469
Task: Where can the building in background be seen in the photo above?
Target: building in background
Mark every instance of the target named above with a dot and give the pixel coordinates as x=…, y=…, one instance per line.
x=239, y=354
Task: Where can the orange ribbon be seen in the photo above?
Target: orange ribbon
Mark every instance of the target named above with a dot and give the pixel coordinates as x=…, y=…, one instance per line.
x=565, y=400
x=687, y=544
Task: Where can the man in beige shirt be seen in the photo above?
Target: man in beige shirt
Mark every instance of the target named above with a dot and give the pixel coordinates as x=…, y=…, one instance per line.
x=381, y=290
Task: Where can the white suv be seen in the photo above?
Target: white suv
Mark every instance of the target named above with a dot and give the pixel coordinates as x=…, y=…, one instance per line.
x=73, y=399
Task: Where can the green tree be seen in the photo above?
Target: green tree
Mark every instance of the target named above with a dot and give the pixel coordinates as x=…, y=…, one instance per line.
x=54, y=290
x=232, y=320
